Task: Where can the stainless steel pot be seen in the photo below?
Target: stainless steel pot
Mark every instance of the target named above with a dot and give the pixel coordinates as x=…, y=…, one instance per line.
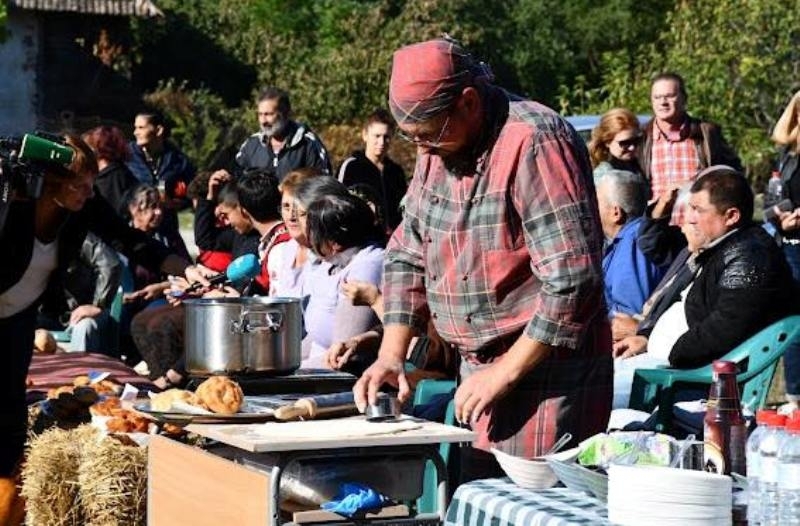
x=243, y=335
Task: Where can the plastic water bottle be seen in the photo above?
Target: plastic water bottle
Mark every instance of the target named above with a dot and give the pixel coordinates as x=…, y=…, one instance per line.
x=789, y=475
x=774, y=189
x=753, y=473
x=768, y=466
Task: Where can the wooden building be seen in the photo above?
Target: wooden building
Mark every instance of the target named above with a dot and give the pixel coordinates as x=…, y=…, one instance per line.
x=65, y=64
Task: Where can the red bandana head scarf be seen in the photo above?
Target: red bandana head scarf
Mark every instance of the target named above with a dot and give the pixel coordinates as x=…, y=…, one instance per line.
x=427, y=78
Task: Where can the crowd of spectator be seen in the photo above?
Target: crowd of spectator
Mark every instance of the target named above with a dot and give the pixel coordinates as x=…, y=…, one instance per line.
x=520, y=260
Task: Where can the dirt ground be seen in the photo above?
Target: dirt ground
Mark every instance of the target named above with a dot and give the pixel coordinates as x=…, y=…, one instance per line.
x=777, y=391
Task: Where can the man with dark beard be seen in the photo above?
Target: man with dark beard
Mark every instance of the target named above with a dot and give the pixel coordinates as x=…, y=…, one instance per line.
x=282, y=144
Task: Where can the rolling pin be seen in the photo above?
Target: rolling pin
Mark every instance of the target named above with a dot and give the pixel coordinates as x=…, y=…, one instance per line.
x=314, y=406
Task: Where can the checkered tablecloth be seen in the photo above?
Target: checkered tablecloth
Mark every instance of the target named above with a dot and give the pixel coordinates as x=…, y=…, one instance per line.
x=499, y=502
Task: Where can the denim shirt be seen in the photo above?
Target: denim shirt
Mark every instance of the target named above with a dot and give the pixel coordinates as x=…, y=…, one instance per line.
x=629, y=275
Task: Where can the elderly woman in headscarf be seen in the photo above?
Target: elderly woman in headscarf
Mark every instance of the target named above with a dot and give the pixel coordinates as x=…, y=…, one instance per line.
x=501, y=247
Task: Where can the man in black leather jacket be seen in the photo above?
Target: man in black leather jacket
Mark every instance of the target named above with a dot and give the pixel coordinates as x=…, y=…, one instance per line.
x=742, y=281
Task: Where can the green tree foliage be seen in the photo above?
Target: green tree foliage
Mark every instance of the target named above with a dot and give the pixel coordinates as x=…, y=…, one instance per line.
x=557, y=44
x=334, y=56
x=3, y=19
x=740, y=60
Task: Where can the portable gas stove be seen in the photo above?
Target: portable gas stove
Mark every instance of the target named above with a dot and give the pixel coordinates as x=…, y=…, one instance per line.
x=302, y=381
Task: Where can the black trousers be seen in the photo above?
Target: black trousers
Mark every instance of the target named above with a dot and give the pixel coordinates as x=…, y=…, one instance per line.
x=16, y=335
x=158, y=335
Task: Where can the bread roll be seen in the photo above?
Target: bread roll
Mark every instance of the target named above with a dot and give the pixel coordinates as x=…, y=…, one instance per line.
x=44, y=342
x=162, y=402
x=221, y=395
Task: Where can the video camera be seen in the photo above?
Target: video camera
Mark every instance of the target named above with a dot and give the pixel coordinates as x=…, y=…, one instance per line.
x=23, y=161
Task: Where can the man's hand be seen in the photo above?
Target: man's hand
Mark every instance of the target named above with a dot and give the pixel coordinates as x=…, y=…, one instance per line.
x=622, y=326
x=665, y=202
x=482, y=389
x=630, y=347
x=215, y=182
x=340, y=353
x=224, y=292
x=384, y=370
x=154, y=290
x=361, y=292
x=199, y=273
x=788, y=221
x=83, y=311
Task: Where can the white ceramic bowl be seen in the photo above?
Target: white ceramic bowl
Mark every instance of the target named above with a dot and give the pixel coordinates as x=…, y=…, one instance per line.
x=566, y=468
x=531, y=474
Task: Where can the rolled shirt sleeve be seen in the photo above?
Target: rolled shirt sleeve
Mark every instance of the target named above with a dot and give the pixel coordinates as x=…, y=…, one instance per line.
x=403, y=288
x=554, y=195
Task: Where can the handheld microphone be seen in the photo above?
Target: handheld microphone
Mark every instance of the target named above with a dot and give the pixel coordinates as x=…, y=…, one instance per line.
x=240, y=269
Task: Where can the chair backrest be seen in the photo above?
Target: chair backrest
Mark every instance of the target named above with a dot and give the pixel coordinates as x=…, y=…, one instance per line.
x=427, y=389
x=760, y=359
x=757, y=358
x=424, y=393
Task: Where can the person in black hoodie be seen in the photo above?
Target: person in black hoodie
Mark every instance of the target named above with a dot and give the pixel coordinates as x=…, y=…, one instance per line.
x=373, y=167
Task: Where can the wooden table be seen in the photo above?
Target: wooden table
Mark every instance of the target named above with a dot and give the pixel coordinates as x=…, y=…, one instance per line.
x=189, y=486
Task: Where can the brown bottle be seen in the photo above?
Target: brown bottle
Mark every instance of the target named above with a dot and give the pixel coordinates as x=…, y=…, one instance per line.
x=724, y=429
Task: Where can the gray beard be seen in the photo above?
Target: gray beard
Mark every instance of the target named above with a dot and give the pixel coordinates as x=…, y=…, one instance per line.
x=276, y=130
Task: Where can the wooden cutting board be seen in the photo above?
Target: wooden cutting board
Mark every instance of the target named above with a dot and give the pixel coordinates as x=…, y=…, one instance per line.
x=330, y=434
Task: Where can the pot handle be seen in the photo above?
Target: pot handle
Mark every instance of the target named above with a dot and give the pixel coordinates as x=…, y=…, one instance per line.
x=250, y=321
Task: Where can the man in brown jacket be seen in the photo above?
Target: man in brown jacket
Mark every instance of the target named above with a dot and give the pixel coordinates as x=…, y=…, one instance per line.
x=677, y=146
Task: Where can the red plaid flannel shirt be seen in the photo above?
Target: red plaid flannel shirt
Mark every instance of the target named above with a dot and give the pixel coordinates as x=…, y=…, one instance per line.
x=515, y=246
x=674, y=161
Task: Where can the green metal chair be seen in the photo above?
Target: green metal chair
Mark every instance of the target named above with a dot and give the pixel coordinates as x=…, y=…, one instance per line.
x=756, y=358
x=426, y=390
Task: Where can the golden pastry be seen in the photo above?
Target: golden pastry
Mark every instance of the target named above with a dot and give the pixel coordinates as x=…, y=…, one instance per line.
x=221, y=395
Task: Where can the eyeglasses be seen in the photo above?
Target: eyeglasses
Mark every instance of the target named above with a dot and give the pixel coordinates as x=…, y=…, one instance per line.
x=425, y=139
x=627, y=143
x=292, y=210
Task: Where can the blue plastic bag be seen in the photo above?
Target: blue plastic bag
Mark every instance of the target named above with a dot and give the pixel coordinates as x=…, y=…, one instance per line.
x=352, y=498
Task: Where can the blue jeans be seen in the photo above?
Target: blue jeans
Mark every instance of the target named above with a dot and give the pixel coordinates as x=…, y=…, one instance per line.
x=791, y=358
x=792, y=253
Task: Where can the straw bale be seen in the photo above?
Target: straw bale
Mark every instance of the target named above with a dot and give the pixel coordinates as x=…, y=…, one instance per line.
x=113, y=484
x=50, y=476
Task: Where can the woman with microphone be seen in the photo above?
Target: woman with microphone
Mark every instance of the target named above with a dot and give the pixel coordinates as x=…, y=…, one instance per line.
x=38, y=239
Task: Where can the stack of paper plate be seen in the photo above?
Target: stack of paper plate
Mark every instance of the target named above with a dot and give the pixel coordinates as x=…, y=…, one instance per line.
x=641, y=495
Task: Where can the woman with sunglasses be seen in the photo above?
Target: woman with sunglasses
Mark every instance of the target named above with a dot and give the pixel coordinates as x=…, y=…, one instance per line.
x=615, y=142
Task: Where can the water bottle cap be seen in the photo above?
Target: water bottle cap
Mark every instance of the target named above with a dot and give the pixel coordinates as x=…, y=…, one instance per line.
x=763, y=414
x=775, y=420
x=724, y=367
x=793, y=424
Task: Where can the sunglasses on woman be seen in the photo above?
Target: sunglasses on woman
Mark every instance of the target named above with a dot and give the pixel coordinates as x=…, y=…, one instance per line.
x=627, y=143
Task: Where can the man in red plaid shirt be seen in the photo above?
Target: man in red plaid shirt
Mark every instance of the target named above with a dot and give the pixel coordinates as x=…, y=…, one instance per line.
x=501, y=247
x=677, y=146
